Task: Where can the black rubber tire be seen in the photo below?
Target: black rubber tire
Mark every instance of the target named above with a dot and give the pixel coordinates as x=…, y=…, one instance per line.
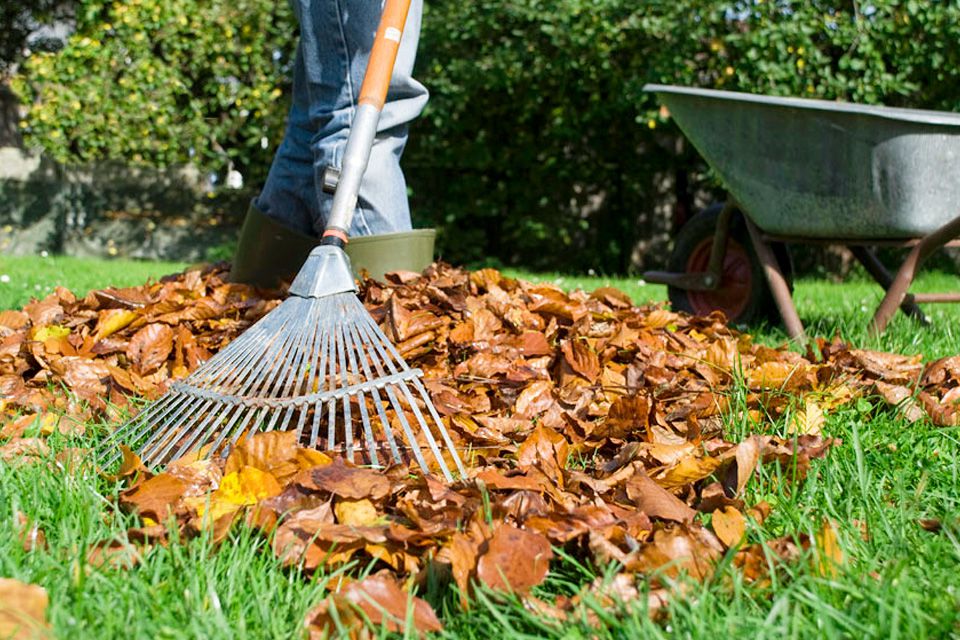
x=760, y=306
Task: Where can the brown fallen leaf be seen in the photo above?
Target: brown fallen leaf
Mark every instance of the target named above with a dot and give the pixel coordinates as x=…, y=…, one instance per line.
x=514, y=559
x=345, y=481
x=155, y=498
x=23, y=610
x=30, y=534
x=729, y=525
x=902, y=398
x=150, y=346
x=655, y=501
x=376, y=599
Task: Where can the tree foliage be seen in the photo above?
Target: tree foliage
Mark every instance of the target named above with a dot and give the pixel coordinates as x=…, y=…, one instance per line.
x=538, y=145
x=21, y=20
x=159, y=82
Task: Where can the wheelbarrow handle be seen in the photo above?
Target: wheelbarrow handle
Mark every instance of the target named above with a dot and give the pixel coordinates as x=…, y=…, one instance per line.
x=363, y=130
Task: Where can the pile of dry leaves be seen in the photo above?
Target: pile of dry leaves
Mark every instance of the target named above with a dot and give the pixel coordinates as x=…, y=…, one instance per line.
x=595, y=426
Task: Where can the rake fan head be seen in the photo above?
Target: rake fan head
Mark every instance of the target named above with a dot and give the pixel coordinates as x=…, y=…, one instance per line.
x=317, y=364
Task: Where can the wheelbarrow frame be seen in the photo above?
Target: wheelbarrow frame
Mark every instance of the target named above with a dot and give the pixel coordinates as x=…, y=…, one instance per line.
x=897, y=286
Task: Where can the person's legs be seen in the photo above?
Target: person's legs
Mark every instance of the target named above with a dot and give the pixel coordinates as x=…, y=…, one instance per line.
x=288, y=195
x=335, y=41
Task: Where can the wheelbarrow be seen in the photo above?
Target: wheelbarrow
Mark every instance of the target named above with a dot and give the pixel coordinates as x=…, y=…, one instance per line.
x=810, y=171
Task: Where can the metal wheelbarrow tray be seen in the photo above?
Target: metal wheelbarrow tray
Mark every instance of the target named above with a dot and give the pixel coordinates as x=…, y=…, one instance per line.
x=805, y=170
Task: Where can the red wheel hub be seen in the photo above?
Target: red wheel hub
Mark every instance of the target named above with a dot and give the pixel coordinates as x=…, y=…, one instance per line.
x=736, y=280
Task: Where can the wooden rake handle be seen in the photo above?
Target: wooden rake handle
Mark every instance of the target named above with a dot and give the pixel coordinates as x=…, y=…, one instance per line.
x=383, y=55
x=373, y=94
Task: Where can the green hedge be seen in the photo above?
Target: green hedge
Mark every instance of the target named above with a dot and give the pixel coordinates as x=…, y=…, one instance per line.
x=160, y=82
x=538, y=145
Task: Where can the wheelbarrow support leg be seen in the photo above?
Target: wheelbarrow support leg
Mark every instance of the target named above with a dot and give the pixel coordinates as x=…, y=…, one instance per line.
x=904, y=278
x=778, y=284
x=878, y=271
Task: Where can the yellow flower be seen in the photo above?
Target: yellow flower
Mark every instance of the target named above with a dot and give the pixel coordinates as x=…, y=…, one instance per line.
x=728, y=71
x=651, y=123
x=800, y=63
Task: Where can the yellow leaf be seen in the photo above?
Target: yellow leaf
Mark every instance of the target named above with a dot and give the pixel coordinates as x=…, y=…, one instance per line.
x=241, y=488
x=659, y=318
x=47, y=332
x=113, y=320
x=773, y=375
x=829, y=556
x=729, y=525
x=309, y=458
x=689, y=469
x=249, y=485
x=357, y=513
x=808, y=420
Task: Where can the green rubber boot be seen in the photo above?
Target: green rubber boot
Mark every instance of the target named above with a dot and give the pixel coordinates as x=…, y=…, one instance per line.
x=268, y=252
x=386, y=252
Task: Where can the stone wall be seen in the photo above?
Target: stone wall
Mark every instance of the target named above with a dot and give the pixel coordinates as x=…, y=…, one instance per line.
x=112, y=210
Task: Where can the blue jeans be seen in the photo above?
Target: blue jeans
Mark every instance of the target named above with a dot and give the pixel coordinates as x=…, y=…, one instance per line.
x=335, y=41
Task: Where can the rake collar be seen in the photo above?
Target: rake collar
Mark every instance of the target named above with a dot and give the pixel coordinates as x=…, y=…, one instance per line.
x=326, y=272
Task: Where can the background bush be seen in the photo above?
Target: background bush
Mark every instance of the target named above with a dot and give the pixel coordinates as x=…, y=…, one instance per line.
x=161, y=82
x=538, y=145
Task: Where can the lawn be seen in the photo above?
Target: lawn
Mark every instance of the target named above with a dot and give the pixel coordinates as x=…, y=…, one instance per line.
x=897, y=579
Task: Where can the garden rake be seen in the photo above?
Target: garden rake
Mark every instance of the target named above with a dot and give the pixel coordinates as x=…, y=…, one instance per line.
x=318, y=363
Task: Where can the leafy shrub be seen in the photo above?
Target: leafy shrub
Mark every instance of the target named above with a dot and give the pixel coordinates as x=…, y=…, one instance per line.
x=159, y=82
x=538, y=146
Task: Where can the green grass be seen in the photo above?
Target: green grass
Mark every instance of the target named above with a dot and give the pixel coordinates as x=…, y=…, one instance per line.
x=35, y=277
x=898, y=580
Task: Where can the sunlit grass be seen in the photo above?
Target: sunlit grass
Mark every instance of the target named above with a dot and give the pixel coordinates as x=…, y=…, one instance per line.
x=896, y=579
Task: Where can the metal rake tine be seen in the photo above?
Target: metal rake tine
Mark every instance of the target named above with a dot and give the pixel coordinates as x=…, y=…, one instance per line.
x=332, y=382
x=382, y=342
x=208, y=424
x=118, y=435
x=141, y=423
x=375, y=394
x=378, y=340
x=372, y=339
x=244, y=377
x=316, y=348
x=161, y=427
x=205, y=431
x=159, y=450
x=109, y=448
x=363, y=358
x=321, y=375
x=347, y=418
x=421, y=388
x=405, y=425
x=263, y=376
x=217, y=370
x=287, y=376
x=347, y=336
x=248, y=413
x=287, y=379
x=426, y=431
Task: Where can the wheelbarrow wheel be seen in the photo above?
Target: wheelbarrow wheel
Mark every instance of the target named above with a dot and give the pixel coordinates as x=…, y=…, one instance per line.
x=743, y=296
